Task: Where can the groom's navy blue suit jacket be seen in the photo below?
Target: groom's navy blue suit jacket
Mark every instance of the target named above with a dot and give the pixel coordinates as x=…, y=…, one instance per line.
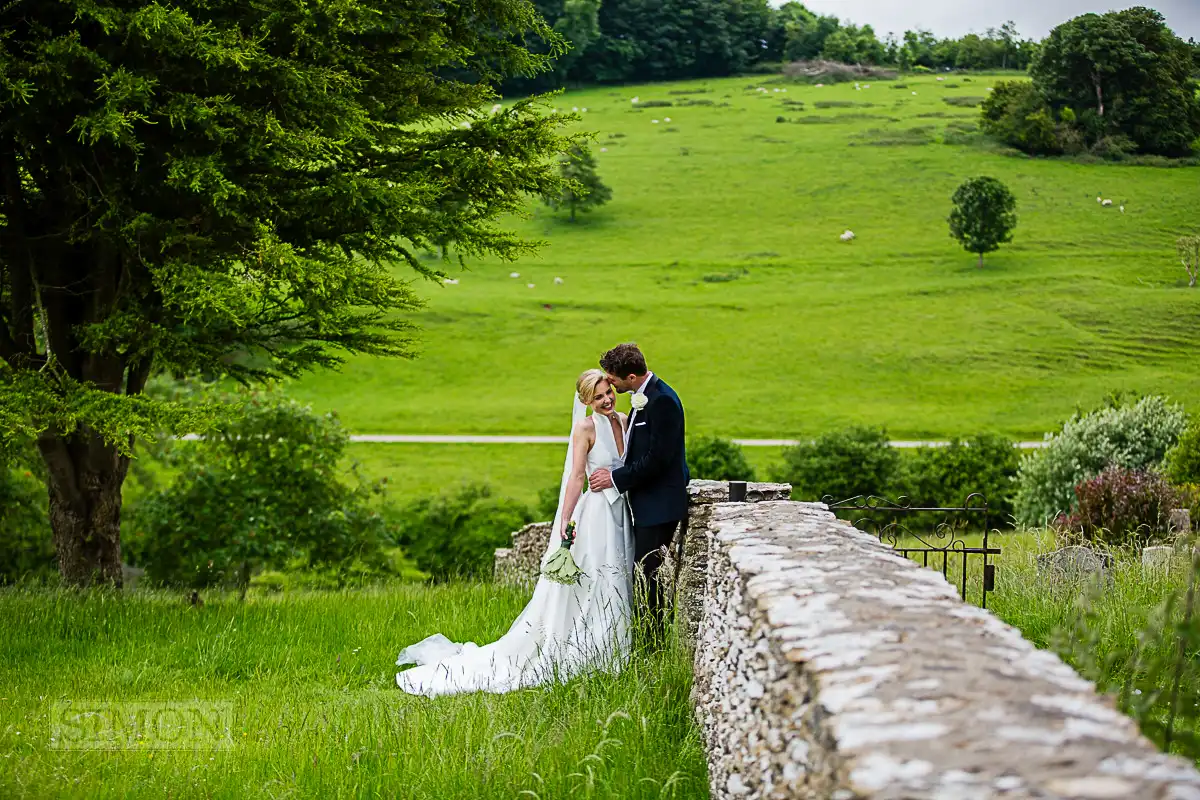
x=656, y=474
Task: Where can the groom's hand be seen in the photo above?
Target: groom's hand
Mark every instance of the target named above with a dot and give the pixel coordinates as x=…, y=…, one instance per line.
x=601, y=479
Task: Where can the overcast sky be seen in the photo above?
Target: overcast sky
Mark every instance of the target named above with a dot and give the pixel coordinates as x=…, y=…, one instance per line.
x=1034, y=18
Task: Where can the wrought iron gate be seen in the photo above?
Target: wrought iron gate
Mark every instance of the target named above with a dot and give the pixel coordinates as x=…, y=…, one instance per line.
x=941, y=534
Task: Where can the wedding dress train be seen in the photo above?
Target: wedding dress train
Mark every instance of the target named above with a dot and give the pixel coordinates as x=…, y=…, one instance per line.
x=564, y=630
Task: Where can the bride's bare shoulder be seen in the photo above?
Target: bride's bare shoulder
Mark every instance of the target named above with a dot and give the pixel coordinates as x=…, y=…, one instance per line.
x=586, y=426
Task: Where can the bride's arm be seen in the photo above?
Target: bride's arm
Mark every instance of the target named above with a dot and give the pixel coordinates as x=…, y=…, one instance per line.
x=581, y=442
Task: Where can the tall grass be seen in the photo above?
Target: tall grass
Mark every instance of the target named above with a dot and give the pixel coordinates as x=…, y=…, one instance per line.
x=316, y=709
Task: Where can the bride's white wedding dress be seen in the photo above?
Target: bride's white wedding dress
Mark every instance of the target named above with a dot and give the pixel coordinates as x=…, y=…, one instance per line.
x=565, y=630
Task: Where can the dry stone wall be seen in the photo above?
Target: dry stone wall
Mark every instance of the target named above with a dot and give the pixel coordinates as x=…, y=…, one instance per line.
x=828, y=666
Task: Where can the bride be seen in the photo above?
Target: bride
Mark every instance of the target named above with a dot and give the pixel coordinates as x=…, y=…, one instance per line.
x=565, y=630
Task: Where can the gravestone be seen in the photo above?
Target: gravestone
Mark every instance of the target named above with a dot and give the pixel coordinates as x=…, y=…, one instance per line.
x=1157, y=559
x=1074, y=563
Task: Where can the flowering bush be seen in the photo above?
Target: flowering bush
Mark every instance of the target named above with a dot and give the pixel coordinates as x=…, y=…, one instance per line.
x=1134, y=437
x=1120, y=507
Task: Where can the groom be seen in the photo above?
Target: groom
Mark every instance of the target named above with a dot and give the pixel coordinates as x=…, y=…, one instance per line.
x=655, y=475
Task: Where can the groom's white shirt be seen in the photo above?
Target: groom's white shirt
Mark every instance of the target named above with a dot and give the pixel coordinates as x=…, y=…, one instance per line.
x=633, y=414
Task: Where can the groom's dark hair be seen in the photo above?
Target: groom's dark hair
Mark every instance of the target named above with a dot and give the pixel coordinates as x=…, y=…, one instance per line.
x=624, y=360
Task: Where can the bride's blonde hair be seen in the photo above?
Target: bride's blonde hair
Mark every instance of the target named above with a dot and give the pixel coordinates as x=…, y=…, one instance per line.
x=587, y=383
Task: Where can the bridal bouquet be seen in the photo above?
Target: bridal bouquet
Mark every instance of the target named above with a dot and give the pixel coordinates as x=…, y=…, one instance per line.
x=561, y=566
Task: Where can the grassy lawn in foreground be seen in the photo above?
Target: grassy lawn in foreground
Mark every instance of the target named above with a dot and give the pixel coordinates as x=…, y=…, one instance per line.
x=315, y=708
x=719, y=253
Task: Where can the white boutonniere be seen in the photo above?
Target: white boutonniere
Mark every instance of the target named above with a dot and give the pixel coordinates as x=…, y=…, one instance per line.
x=639, y=401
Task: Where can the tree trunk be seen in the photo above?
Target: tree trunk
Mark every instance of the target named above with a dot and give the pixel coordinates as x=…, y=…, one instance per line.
x=981, y=260
x=86, y=476
x=572, y=212
x=1099, y=94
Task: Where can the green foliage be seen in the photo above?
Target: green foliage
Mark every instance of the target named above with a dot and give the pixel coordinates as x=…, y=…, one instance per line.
x=1124, y=73
x=1120, y=507
x=582, y=189
x=1151, y=671
x=264, y=491
x=716, y=459
x=1182, y=462
x=984, y=215
x=1133, y=436
x=26, y=548
x=455, y=535
x=853, y=461
x=946, y=476
x=227, y=187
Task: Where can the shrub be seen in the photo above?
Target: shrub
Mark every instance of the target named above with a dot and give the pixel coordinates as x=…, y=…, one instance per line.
x=1017, y=115
x=1120, y=507
x=945, y=476
x=266, y=490
x=715, y=459
x=1114, y=148
x=963, y=102
x=1182, y=462
x=26, y=544
x=655, y=104
x=855, y=461
x=456, y=535
x=1133, y=436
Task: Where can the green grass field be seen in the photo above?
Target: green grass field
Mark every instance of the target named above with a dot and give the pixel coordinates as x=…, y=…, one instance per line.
x=315, y=709
x=720, y=254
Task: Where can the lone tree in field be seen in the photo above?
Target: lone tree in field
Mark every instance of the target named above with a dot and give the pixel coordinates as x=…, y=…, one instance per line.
x=1189, y=255
x=984, y=215
x=226, y=186
x=582, y=189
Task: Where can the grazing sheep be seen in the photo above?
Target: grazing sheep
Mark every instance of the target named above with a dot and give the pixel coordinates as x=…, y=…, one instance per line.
x=450, y=281
x=634, y=101
x=653, y=122
x=1106, y=203
x=1122, y=206
x=603, y=149
x=530, y=285
x=848, y=236
x=666, y=119
x=558, y=281
x=514, y=274
x=584, y=109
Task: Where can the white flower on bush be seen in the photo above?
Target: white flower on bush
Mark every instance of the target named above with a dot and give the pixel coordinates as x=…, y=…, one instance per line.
x=639, y=401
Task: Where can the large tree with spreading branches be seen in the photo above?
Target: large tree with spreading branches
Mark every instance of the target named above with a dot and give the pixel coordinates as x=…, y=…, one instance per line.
x=198, y=186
